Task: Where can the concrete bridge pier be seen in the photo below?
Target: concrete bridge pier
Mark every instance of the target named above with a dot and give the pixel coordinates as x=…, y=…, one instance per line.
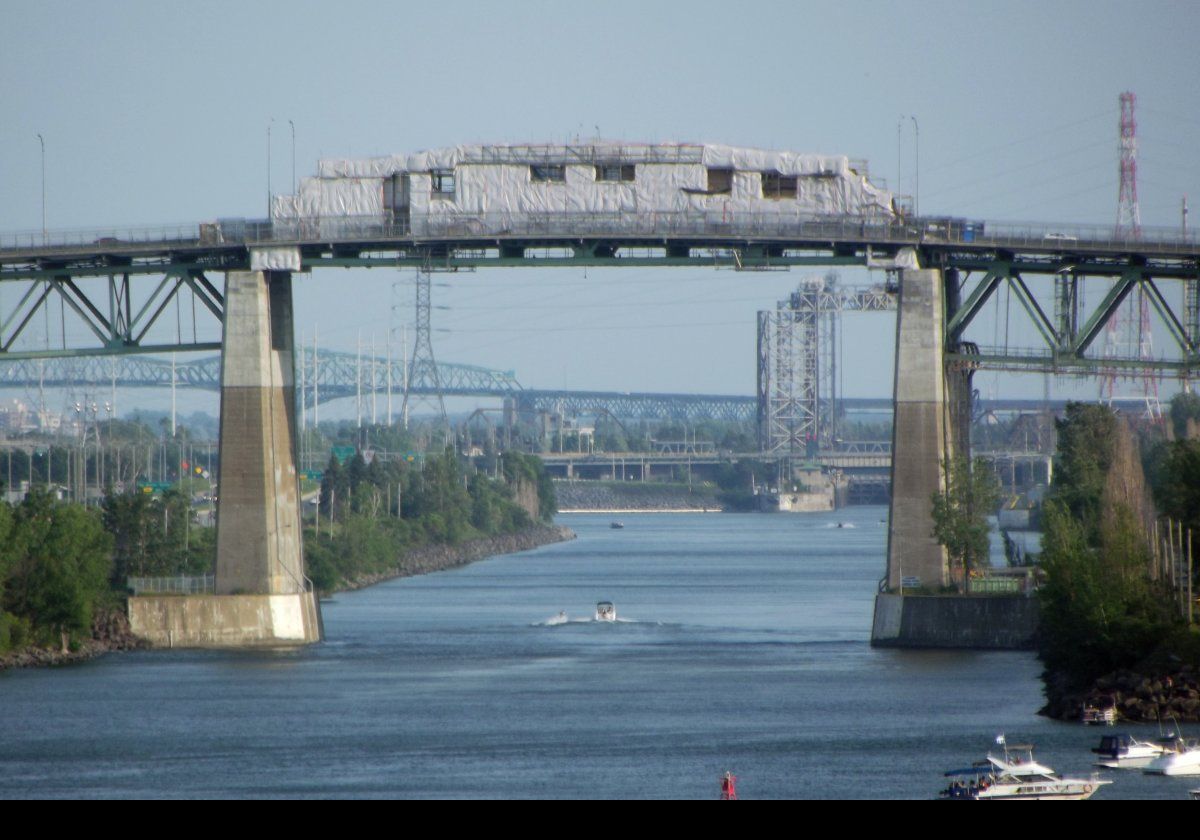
x=931, y=422
x=262, y=595
x=921, y=432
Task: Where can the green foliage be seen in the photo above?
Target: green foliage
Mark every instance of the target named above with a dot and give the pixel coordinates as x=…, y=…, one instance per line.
x=1100, y=609
x=1175, y=479
x=57, y=559
x=1086, y=441
x=960, y=513
x=371, y=514
x=1184, y=407
x=155, y=536
x=735, y=483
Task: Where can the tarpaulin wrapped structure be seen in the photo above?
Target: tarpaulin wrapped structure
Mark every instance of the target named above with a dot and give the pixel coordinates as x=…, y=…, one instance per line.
x=493, y=187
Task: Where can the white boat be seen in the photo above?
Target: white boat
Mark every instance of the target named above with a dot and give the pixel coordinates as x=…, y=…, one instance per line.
x=1126, y=751
x=1016, y=775
x=605, y=611
x=1180, y=758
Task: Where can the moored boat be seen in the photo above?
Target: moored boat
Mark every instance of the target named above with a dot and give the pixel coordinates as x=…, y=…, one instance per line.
x=1016, y=775
x=1123, y=750
x=1181, y=757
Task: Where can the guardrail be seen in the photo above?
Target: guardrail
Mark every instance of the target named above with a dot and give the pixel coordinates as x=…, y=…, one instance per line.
x=176, y=585
x=702, y=224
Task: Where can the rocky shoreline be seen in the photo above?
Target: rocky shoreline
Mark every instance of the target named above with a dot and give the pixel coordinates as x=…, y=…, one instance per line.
x=437, y=558
x=110, y=632
x=1138, y=698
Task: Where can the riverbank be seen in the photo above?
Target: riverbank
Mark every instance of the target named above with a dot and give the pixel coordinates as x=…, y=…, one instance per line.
x=438, y=558
x=1137, y=697
x=110, y=632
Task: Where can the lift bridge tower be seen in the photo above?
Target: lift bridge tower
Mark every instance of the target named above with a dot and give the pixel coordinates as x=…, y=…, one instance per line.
x=798, y=364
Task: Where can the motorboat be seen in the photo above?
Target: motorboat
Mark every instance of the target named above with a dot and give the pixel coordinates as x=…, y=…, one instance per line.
x=1016, y=775
x=616, y=526
x=605, y=611
x=1181, y=757
x=1123, y=750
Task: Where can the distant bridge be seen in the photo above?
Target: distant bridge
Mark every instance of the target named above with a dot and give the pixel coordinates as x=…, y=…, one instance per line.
x=342, y=375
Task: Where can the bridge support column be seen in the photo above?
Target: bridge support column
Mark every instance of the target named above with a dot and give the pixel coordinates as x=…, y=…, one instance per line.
x=921, y=436
x=262, y=596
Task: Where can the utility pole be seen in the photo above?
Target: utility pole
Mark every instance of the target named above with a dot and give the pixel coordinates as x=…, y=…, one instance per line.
x=42, y=143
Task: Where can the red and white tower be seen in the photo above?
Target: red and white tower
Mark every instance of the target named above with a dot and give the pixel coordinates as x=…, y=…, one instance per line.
x=1129, y=221
x=1129, y=334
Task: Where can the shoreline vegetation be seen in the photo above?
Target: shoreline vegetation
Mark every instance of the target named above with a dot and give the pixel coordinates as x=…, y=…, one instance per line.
x=1114, y=629
x=63, y=566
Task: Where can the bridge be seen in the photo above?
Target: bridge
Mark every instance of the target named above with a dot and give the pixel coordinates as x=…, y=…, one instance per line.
x=339, y=375
x=121, y=286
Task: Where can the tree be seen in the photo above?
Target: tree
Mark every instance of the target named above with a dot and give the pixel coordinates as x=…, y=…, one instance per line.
x=960, y=514
x=61, y=561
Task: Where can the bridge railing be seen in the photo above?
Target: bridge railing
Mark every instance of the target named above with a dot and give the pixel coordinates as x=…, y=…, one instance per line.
x=711, y=225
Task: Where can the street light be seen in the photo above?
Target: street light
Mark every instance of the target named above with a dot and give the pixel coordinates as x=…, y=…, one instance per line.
x=269, y=167
x=42, y=142
x=916, y=158
x=293, y=125
x=916, y=167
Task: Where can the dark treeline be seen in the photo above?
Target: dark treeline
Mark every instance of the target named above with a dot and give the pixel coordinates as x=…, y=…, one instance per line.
x=370, y=514
x=1104, y=608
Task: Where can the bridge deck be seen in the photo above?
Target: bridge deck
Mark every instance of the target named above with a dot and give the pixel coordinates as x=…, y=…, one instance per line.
x=594, y=239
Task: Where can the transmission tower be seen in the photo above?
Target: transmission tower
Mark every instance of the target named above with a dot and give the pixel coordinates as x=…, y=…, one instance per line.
x=422, y=366
x=1129, y=331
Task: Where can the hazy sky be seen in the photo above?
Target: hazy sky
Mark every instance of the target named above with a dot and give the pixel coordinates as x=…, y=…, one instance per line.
x=157, y=112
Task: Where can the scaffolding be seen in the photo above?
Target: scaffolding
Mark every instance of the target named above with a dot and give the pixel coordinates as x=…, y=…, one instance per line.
x=798, y=353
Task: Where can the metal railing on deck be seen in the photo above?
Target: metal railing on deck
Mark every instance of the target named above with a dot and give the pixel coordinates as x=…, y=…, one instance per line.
x=702, y=224
x=176, y=585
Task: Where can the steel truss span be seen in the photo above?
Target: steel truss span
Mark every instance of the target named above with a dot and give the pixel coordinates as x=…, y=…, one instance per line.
x=174, y=264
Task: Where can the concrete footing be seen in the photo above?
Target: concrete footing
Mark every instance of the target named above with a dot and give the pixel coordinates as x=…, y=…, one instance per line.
x=226, y=621
x=972, y=622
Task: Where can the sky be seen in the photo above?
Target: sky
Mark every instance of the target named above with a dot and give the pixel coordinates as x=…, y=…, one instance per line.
x=157, y=113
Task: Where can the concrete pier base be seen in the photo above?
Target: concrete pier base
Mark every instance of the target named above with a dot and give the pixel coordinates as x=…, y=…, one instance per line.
x=226, y=621
x=955, y=622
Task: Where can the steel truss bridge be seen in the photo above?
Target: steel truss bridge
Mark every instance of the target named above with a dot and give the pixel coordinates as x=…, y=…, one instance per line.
x=147, y=290
x=345, y=375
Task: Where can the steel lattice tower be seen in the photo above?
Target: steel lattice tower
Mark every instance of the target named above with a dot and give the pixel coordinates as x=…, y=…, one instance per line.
x=422, y=366
x=1128, y=333
x=1129, y=221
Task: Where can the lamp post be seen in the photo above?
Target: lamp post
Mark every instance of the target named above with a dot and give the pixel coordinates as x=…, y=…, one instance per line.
x=42, y=143
x=916, y=167
x=293, y=125
x=269, y=124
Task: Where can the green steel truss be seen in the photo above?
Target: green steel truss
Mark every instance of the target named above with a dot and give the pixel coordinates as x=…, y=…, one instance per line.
x=1044, y=273
x=1068, y=328
x=108, y=308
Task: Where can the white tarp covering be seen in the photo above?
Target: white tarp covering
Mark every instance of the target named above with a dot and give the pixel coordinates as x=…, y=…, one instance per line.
x=275, y=259
x=497, y=182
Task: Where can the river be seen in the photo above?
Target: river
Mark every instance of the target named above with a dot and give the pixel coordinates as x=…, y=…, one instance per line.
x=742, y=646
